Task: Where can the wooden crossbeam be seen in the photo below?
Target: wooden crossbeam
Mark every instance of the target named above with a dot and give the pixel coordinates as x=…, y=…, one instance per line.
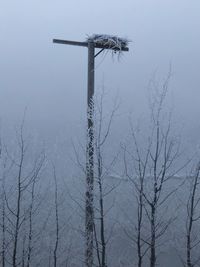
x=67, y=42
x=85, y=44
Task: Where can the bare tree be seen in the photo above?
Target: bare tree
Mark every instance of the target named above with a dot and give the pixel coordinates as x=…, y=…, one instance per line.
x=32, y=210
x=20, y=189
x=3, y=207
x=193, y=216
x=56, y=218
x=17, y=207
x=3, y=226
x=155, y=164
x=139, y=184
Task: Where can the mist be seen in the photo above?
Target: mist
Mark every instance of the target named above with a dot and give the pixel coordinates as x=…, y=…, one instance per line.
x=43, y=125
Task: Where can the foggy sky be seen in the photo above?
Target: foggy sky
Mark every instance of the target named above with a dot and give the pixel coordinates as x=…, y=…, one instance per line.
x=50, y=80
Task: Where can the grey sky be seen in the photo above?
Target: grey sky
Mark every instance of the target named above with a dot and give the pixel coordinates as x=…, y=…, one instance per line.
x=51, y=79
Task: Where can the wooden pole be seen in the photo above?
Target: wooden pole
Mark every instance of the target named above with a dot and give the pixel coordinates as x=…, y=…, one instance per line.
x=89, y=194
x=89, y=209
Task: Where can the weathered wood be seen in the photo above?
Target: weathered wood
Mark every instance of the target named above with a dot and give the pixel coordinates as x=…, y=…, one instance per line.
x=89, y=196
x=85, y=44
x=57, y=41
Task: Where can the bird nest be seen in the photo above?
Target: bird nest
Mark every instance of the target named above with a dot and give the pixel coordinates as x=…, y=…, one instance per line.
x=109, y=41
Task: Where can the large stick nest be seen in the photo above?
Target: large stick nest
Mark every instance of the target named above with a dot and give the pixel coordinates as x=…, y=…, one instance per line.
x=110, y=41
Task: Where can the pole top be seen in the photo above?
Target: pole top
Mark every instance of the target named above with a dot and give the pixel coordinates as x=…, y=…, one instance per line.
x=102, y=41
x=111, y=42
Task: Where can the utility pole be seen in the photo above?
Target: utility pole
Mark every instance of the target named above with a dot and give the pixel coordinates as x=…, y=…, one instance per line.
x=89, y=209
x=91, y=44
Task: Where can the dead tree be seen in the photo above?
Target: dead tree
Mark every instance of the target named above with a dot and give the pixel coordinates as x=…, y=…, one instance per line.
x=140, y=167
x=56, y=218
x=31, y=211
x=3, y=227
x=23, y=174
x=20, y=188
x=155, y=165
x=30, y=219
x=193, y=216
x=4, y=213
x=3, y=208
